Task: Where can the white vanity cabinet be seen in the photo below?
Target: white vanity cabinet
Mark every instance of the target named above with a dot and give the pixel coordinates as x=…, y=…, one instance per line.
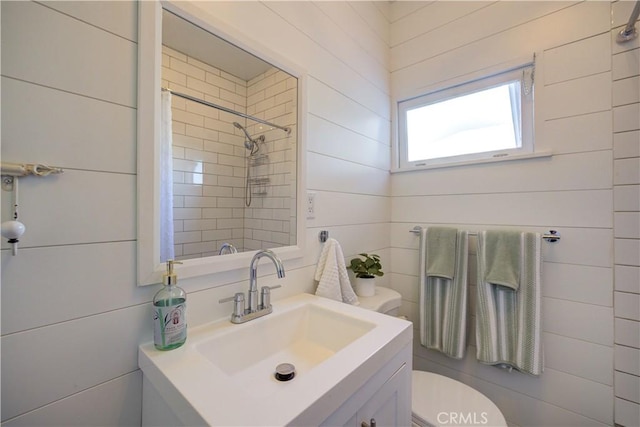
x=385, y=400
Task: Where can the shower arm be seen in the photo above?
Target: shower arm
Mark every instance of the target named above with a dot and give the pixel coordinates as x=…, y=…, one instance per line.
x=629, y=32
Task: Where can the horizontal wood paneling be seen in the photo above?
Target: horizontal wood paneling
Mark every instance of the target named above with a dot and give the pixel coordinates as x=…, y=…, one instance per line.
x=47, y=364
x=427, y=17
x=345, y=176
x=586, y=57
x=627, y=251
x=570, y=24
x=627, y=387
x=79, y=133
x=569, y=318
x=334, y=106
x=115, y=403
x=43, y=36
x=626, y=91
x=587, y=132
x=97, y=198
x=627, y=359
x=627, y=278
x=347, y=16
x=521, y=209
x=97, y=277
x=570, y=192
x=376, y=17
x=627, y=333
x=467, y=28
x=334, y=209
x=626, y=144
x=256, y=21
x=559, y=173
x=626, y=118
x=315, y=21
x=325, y=137
x=120, y=18
x=74, y=64
x=627, y=413
x=627, y=225
x=626, y=64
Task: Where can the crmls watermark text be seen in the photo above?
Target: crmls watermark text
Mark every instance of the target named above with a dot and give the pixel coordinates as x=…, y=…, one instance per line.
x=462, y=418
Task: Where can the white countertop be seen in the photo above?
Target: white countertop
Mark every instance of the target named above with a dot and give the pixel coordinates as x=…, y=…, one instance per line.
x=188, y=380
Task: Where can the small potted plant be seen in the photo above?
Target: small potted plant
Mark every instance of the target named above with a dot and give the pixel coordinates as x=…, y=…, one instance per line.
x=366, y=271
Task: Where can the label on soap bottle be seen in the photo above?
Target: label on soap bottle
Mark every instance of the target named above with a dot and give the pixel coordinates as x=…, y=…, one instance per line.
x=169, y=325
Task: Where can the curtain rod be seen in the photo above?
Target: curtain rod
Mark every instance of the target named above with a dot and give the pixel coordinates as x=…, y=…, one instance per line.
x=551, y=237
x=228, y=110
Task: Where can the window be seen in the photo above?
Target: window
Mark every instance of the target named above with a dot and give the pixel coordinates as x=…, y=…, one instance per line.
x=486, y=118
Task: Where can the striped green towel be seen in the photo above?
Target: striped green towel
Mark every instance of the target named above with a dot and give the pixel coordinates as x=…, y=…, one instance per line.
x=503, y=251
x=508, y=322
x=443, y=301
x=441, y=251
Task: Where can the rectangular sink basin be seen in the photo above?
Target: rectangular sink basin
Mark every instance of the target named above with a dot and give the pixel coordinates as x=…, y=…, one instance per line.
x=304, y=337
x=224, y=373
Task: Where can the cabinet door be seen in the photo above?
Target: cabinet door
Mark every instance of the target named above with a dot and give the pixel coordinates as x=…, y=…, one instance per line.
x=388, y=406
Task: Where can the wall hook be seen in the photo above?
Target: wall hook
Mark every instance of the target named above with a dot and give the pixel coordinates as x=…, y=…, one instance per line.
x=14, y=229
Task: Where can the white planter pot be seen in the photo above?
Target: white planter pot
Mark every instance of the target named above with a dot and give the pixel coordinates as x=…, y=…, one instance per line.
x=365, y=287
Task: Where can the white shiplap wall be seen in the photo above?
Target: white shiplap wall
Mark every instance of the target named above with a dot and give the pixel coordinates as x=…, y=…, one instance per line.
x=432, y=42
x=626, y=201
x=72, y=316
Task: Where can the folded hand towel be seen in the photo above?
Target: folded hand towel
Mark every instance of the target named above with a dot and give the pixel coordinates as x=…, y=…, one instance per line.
x=331, y=273
x=508, y=322
x=503, y=249
x=441, y=251
x=443, y=301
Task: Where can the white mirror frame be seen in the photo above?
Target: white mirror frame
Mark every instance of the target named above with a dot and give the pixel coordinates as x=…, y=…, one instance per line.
x=150, y=269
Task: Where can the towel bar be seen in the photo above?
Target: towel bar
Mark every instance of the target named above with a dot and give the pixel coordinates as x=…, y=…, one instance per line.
x=551, y=237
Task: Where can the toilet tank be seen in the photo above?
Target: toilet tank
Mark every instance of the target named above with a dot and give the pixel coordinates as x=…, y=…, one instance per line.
x=385, y=301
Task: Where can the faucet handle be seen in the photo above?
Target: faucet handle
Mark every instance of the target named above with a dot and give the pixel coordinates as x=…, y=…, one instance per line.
x=266, y=295
x=238, y=304
x=227, y=299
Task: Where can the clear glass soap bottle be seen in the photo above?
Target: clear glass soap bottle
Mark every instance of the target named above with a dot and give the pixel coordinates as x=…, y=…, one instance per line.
x=170, y=312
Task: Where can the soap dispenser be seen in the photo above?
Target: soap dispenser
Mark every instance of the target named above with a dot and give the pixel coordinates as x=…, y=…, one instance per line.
x=169, y=312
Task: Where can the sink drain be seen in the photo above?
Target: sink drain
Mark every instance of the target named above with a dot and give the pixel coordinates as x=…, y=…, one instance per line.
x=285, y=372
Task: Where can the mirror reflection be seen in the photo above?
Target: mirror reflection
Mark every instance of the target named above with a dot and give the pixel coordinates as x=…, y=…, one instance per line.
x=228, y=174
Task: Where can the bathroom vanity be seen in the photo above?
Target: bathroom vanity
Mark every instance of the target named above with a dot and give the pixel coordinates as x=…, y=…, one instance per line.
x=351, y=366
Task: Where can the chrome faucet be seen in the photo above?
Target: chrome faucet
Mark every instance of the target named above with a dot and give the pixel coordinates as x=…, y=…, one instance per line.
x=254, y=310
x=227, y=248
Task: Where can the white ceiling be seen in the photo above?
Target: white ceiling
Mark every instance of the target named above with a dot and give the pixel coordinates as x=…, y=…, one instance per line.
x=192, y=40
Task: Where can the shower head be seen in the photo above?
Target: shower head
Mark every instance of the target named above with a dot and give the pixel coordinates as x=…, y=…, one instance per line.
x=239, y=126
x=249, y=143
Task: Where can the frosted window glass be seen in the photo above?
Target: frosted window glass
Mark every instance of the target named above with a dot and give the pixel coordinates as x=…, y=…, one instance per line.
x=478, y=122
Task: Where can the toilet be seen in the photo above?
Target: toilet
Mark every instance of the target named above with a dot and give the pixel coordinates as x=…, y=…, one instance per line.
x=438, y=400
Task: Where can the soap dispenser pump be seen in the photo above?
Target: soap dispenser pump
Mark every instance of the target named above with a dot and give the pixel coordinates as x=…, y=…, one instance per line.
x=169, y=312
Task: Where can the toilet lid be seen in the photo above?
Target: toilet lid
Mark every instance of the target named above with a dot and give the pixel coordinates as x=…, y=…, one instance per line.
x=384, y=300
x=441, y=401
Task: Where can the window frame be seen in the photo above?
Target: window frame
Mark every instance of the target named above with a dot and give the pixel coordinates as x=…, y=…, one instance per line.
x=522, y=73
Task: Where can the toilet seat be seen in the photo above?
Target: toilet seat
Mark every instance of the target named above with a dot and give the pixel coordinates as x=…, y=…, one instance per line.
x=441, y=401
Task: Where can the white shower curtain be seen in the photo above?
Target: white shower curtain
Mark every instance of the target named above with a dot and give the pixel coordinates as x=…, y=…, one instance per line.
x=166, y=180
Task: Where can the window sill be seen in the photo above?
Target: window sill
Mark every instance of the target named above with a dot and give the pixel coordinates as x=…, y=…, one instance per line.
x=506, y=158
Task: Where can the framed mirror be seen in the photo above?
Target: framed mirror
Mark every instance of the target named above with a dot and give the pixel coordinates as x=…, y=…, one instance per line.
x=219, y=151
